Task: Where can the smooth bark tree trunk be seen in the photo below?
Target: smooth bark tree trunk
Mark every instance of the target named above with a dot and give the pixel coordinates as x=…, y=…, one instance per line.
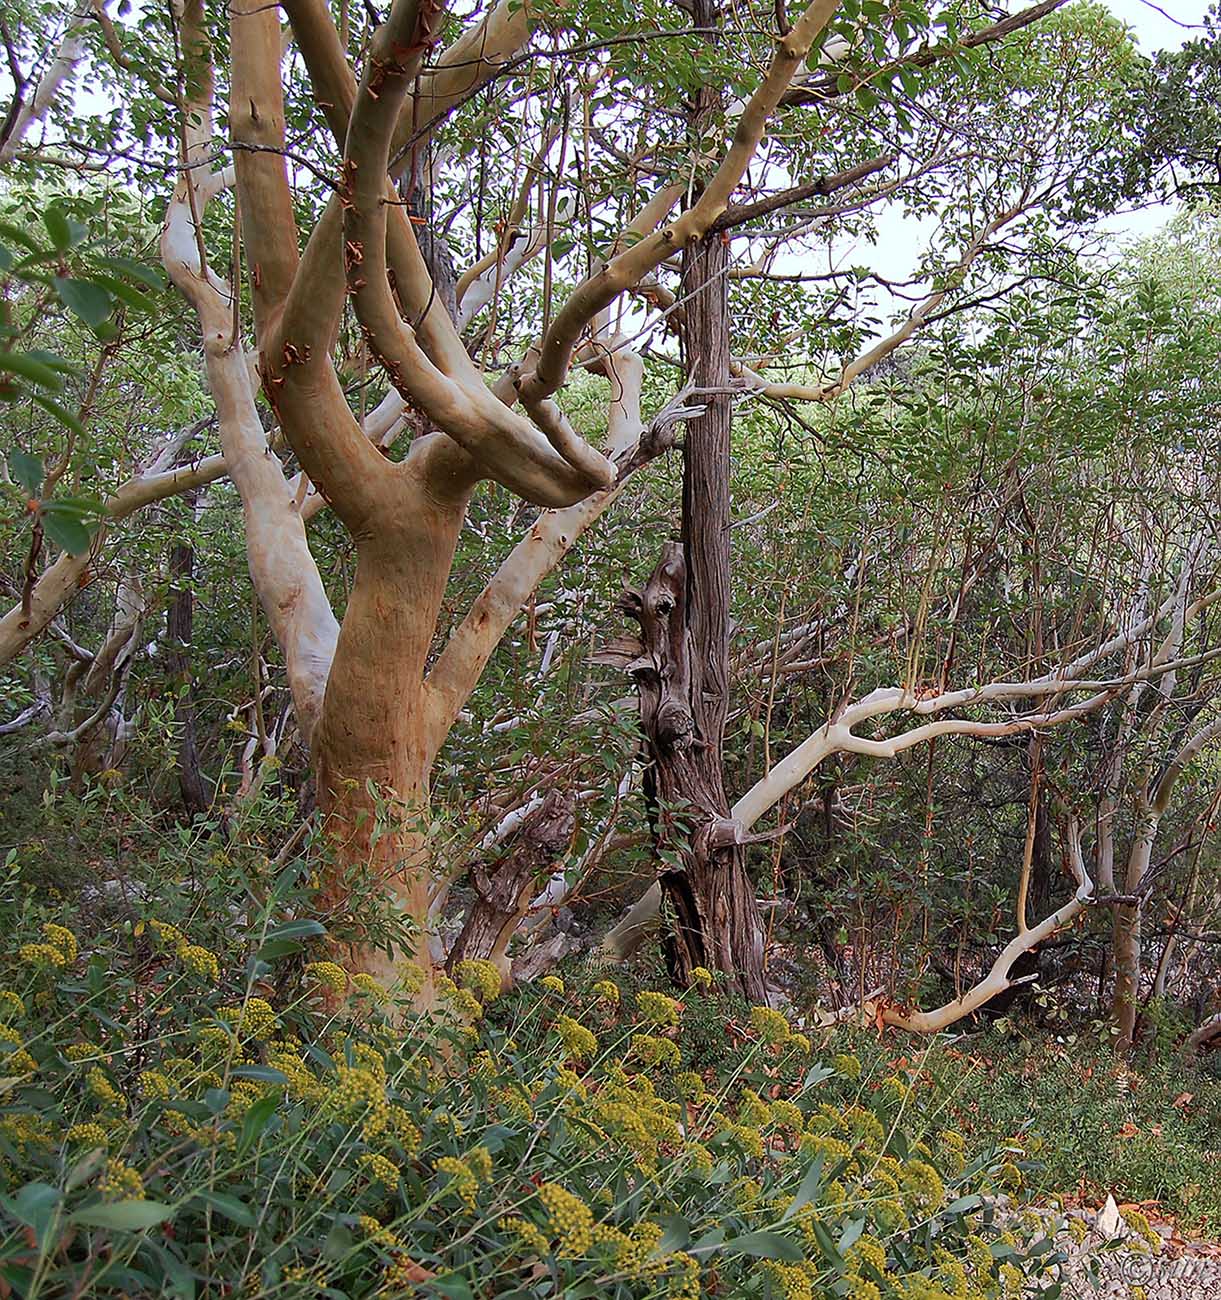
x=374, y=744
x=179, y=627
x=1126, y=936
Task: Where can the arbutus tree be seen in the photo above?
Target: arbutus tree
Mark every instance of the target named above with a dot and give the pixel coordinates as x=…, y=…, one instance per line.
x=377, y=691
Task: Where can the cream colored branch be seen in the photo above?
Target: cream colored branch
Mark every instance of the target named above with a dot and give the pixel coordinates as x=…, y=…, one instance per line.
x=998, y=978
x=68, y=54
x=629, y=267
x=837, y=736
x=551, y=537
x=911, y=325
x=281, y=566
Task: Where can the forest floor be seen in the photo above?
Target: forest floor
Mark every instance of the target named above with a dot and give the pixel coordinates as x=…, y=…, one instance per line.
x=1106, y=1259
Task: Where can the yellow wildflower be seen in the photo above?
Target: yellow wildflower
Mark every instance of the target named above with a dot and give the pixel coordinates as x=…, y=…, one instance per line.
x=42, y=955
x=59, y=936
x=658, y=1008
x=120, y=1182
x=200, y=961
x=578, y=1042
x=551, y=984
x=771, y=1025
x=18, y=1060
x=481, y=977
x=607, y=991
x=380, y=1170
x=11, y=1004
x=656, y=1051
x=88, y=1135
x=571, y=1221
x=329, y=975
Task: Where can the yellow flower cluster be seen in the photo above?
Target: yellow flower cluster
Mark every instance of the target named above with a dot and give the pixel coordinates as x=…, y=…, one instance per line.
x=701, y=976
x=359, y=1094
x=790, y=1281
x=847, y=1065
x=60, y=937
x=303, y=1085
x=467, y=1173
x=154, y=1085
x=98, y=1083
x=365, y=984
x=88, y=1135
x=17, y=1060
x=770, y=1025
x=200, y=961
x=374, y=1232
x=579, y=1043
x=331, y=976
x=169, y=936
x=380, y=1170
x=569, y=1219
x=528, y=1233
x=691, y=1086
x=633, y=1252
x=11, y=1004
x=656, y=1051
x=607, y=991
x=462, y=1181
x=551, y=984
x=630, y=1112
x=255, y=1018
x=42, y=955
x=657, y=1008
x=481, y=977
x=120, y=1182
x=1139, y=1224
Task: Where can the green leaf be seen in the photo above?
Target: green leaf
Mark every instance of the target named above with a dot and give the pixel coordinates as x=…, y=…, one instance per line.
x=78, y=507
x=85, y=299
x=18, y=236
x=303, y=929
x=67, y=533
x=265, y=1073
x=135, y=270
x=6, y=258
x=29, y=367
x=61, y=413
x=277, y=948
x=766, y=1245
x=256, y=1121
x=58, y=228
x=132, y=297
x=123, y=1216
x=808, y=1189
x=239, y=1212
x=851, y=1234
x=33, y=1204
x=27, y=470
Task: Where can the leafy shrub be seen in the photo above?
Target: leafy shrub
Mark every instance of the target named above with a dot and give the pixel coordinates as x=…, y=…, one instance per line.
x=1080, y=1119
x=181, y=1119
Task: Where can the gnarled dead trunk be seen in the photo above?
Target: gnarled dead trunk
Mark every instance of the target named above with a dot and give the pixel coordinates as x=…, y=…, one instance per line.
x=503, y=894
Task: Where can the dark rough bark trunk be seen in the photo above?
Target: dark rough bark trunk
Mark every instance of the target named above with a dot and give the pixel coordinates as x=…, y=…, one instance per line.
x=503, y=891
x=684, y=617
x=179, y=626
